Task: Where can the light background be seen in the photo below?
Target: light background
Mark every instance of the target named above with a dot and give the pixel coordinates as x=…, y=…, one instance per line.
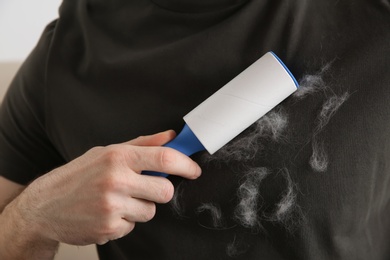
x=21, y=23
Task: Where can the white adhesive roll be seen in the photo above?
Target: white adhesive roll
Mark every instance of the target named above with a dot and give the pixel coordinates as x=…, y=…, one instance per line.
x=241, y=102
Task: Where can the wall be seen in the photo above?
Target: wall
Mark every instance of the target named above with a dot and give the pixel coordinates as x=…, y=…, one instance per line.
x=21, y=23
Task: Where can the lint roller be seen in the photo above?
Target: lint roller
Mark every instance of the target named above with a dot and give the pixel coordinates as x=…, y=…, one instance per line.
x=234, y=107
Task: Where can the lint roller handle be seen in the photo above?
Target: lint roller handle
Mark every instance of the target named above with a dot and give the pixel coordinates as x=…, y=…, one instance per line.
x=186, y=142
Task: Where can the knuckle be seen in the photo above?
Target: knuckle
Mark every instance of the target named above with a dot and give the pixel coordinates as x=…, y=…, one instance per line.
x=166, y=191
x=139, y=138
x=113, y=155
x=148, y=213
x=133, y=155
x=108, y=182
x=108, y=229
x=167, y=159
x=96, y=149
x=108, y=206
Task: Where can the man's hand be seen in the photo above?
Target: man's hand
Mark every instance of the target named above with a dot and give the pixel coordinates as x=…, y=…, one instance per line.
x=101, y=195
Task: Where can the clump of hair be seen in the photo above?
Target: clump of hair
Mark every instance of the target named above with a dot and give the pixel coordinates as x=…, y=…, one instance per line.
x=215, y=214
x=287, y=203
x=287, y=211
x=329, y=108
x=246, y=212
x=175, y=203
x=319, y=158
x=312, y=83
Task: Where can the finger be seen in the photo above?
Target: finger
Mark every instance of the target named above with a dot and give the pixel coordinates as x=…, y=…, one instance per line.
x=150, y=188
x=122, y=228
x=153, y=140
x=162, y=159
x=138, y=210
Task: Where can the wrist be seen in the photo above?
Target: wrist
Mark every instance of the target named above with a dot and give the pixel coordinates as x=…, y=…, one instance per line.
x=24, y=238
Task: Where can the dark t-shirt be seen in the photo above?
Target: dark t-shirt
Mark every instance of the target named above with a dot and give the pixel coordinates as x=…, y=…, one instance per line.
x=108, y=71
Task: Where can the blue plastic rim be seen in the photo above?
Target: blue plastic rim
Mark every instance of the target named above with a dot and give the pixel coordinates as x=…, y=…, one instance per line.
x=285, y=67
x=186, y=142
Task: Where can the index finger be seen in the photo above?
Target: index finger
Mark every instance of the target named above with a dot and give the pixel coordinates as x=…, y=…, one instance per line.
x=153, y=140
x=162, y=159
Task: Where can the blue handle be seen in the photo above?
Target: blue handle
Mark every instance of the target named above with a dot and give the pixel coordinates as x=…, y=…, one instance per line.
x=186, y=142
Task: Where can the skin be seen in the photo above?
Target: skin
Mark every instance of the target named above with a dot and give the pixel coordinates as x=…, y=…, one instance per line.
x=95, y=198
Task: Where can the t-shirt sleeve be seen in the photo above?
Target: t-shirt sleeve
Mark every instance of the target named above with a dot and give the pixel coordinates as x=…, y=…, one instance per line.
x=25, y=148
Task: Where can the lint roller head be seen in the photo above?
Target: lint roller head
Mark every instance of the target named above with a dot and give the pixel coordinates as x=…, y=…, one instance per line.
x=235, y=106
x=241, y=102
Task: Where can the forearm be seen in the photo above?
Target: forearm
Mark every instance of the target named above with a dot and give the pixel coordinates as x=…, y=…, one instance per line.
x=20, y=239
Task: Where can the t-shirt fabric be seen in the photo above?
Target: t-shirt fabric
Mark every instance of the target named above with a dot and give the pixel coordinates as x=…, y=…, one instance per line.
x=108, y=71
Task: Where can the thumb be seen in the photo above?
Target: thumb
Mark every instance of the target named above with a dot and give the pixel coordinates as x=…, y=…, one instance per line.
x=153, y=140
